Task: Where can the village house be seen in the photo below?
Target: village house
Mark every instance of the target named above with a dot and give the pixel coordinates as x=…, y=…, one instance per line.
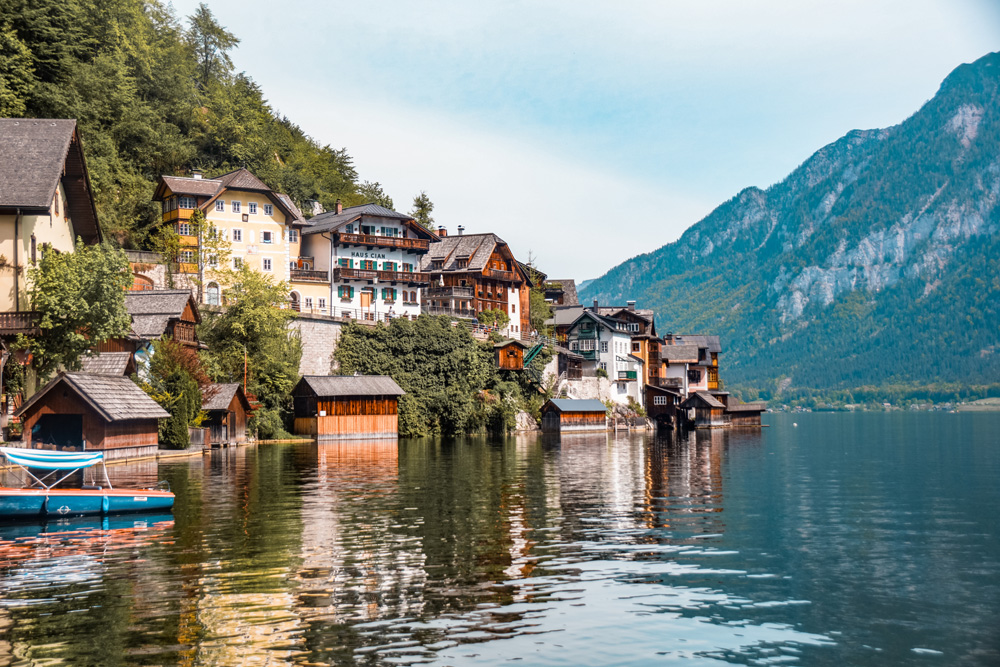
x=227, y=409
x=641, y=326
x=472, y=273
x=84, y=411
x=363, y=263
x=46, y=202
x=346, y=407
x=561, y=292
x=566, y=415
x=263, y=228
x=605, y=344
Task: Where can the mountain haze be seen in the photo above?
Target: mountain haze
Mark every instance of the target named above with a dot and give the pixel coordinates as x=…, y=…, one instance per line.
x=875, y=263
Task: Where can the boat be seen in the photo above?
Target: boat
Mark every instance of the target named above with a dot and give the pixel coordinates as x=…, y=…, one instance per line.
x=39, y=497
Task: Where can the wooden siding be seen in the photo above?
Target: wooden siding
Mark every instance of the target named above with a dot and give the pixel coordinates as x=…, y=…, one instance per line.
x=347, y=417
x=97, y=433
x=553, y=421
x=510, y=357
x=745, y=418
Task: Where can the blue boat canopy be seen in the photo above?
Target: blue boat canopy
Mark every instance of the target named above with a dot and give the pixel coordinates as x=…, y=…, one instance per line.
x=50, y=460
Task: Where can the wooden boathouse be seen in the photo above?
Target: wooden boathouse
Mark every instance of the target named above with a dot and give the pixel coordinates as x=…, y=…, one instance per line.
x=662, y=405
x=228, y=408
x=340, y=407
x=702, y=410
x=568, y=415
x=81, y=411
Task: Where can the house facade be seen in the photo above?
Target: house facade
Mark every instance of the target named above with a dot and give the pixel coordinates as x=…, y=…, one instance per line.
x=605, y=344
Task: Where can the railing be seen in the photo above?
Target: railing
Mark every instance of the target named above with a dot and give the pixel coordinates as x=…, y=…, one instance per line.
x=19, y=322
x=383, y=241
x=411, y=277
x=453, y=312
x=508, y=276
x=460, y=292
x=302, y=275
x=671, y=382
x=628, y=375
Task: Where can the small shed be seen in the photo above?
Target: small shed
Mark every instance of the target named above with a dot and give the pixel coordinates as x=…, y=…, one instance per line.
x=228, y=408
x=704, y=411
x=569, y=415
x=661, y=405
x=82, y=411
x=510, y=355
x=745, y=414
x=570, y=363
x=329, y=407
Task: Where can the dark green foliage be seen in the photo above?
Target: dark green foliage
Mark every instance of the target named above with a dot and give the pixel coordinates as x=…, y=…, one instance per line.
x=451, y=381
x=154, y=96
x=175, y=377
x=915, y=202
x=422, y=207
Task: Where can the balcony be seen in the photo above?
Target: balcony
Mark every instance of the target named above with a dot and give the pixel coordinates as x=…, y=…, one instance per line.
x=505, y=276
x=409, y=277
x=19, y=322
x=371, y=241
x=589, y=355
x=624, y=376
x=449, y=292
x=304, y=276
x=451, y=312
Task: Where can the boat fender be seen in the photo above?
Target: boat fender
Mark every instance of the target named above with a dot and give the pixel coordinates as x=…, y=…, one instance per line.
x=45, y=505
x=105, y=504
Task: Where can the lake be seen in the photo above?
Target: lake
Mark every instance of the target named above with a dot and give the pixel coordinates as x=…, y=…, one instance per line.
x=824, y=539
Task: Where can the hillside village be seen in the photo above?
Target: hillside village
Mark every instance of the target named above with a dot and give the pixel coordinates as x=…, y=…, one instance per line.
x=361, y=265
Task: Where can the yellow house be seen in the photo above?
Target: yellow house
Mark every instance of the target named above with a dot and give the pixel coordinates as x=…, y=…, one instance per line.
x=45, y=202
x=263, y=227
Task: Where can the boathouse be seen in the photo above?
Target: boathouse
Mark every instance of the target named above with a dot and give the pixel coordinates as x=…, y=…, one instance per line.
x=745, y=414
x=81, y=411
x=702, y=410
x=661, y=405
x=510, y=355
x=568, y=415
x=227, y=408
x=329, y=407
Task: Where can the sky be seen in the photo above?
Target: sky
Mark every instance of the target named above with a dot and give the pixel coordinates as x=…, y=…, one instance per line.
x=584, y=133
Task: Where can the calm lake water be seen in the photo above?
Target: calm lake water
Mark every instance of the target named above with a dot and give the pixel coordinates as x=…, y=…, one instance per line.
x=849, y=539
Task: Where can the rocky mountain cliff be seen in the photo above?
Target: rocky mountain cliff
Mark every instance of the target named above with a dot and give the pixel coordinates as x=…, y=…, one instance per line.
x=875, y=263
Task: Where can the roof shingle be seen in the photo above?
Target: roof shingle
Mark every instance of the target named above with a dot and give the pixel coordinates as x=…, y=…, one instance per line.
x=352, y=385
x=113, y=398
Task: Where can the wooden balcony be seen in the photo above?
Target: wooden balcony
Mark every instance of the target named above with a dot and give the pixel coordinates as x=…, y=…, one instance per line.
x=372, y=241
x=408, y=277
x=504, y=276
x=451, y=312
x=304, y=276
x=448, y=292
x=22, y=322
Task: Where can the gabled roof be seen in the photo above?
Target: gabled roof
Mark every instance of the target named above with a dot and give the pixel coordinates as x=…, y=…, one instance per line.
x=325, y=222
x=747, y=407
x=512, y=341
x=199, y=187
x=106, y=363
x=475, y=248
x=220, y=396
x=577, y=405
x=211, y=188
x=152, y=310
x=242, y=179
x=711, y=343
x=606, y=322
x=614, y=311
x=36, y=155
x=680, y=354
x=348, y=385
x=113, y=398
x=704, y=398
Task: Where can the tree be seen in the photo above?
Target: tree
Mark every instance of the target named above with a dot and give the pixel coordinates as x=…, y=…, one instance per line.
x=80, y=300
x=539, y=310
x=211, y=43
x=493, y=318
x=252, y=333
x=373, y=193
x=16, y=75
x=176, y=378
x=422, y=207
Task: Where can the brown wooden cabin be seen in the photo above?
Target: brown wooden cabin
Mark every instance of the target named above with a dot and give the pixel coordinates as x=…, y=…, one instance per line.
x=510, y=355
x=662, y=404
x=347, y=406
x=157, y=314
x=568, y=415
x=702, y=410
x=83, y=411
x=228, y=409
x=745, y=414
x=570, y=363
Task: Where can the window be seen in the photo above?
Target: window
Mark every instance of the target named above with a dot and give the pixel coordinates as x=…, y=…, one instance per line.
x=388, y=294
x=187, y=256
x=186, y=202
x=345, y=292
x=268, y=209
x=212, y=295
x=633, y=327
x=322, y=303
x=635, y=347
x=346, y=263
x=588, y=345
x=293, y=236
x=574, y=345
x=253, y=208
x=267, y=263
x=388, y=266
x=237, y=236
x=659, y=400
x=220, y=205
x=213, y=261
x=237, y=262
x=183, y=229
x=604, y=346
x=407, y=268
x=513, y=308
x=368, y=264
x=236, y=207
x=309, y=302
x=266, y=237
x=604, y=366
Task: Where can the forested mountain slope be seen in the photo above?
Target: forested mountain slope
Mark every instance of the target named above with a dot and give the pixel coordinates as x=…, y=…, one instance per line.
x=875, y=263
x=154, y=94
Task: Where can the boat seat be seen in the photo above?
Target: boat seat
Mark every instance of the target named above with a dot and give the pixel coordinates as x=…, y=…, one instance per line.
x=92, y=487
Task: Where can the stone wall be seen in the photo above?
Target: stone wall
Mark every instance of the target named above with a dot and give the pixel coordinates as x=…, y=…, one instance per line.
x=319, y=339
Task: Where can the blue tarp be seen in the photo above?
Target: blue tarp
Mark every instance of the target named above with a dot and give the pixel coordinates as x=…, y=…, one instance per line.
x=50, y=460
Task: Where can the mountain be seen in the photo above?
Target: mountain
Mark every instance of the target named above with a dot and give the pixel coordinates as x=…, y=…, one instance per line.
x=876, y=263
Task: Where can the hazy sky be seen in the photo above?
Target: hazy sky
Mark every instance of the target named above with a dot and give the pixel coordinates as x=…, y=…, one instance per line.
x=589, y=132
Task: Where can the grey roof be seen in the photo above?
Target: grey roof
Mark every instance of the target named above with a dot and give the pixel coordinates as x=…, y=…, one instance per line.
x=297, y=216
x=325, y=222
x=568, y=285
x=710, y=342
x=706, y=397
x=152, y=310
x=747, y=407
x=679, y=353
x=578, y=405
x=565, y=315
x=218, y=396
x=667, y=390
x=203, y=187
x=352, y=385
x=113, y=398
x=242, y=179
x=476, y=248
x=608, y=322
x=611, y=311
x=569, y=354
x=505, y=343
x=106, y=363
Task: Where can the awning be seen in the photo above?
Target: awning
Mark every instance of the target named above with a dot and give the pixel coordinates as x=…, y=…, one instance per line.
x=51, y=460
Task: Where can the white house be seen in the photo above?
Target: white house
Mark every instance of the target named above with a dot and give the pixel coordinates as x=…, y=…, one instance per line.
x=605, y=344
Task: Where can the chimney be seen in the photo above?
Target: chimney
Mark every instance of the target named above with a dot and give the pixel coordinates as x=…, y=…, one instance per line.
x=442, y=231
x=339, y=206
x=631, y=305
x=595, y=305
x=196, y=173
x=461, y=230
x=669, y=338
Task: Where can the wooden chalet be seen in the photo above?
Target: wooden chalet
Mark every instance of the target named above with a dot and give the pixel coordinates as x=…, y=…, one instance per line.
x=570, y=364
x=510, y=354
x=567, y=415
x=662, y=404
x=745, y=414
x=472, y=273
x=81, y=411
x=702, y=410
x=228, y=409
x=157, y=314
x=347, y=407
